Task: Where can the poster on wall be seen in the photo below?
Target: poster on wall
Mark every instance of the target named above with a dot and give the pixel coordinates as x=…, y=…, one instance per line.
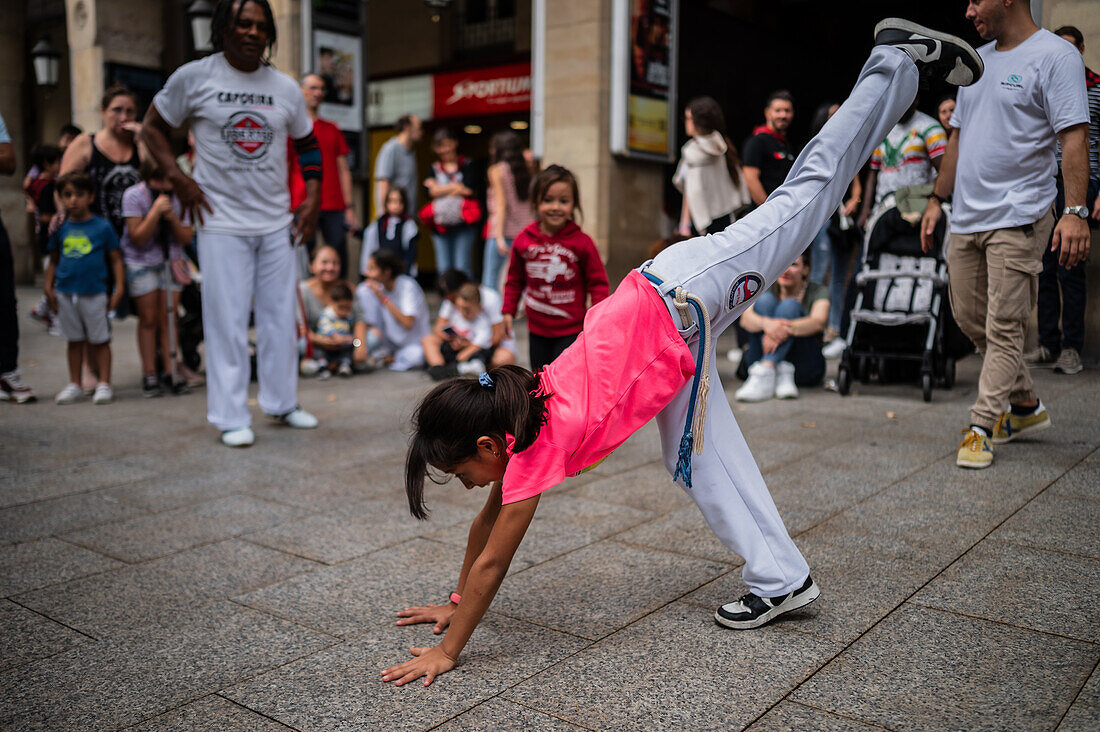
x=338, y=59
x=643, y=85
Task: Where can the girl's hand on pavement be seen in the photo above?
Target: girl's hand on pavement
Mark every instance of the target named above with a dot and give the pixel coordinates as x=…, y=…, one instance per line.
x=430, y=661
x=438, y=614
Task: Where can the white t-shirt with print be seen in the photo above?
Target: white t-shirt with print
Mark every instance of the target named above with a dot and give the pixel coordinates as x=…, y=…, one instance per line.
x=409, y=299
x=478, y=331
x=240, y=121
x=491, y=304
x=1008, y=123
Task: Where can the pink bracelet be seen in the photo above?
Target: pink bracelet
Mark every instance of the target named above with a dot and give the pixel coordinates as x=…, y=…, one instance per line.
x=456, y=598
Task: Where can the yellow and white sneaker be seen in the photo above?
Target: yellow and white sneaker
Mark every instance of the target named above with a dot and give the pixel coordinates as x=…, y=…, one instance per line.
x=1010, y=426
x=976, y=451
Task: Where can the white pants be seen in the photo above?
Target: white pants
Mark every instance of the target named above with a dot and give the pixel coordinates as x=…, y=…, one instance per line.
x=726, y=482
x=239, y=272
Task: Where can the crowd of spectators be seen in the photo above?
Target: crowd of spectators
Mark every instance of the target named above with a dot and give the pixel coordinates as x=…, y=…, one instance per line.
x=535, y=256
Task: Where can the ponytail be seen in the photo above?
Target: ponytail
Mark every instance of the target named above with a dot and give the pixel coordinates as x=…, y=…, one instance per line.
x=450, y=419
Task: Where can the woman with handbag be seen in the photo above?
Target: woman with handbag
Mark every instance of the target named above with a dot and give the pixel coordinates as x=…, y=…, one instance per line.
x=709, y=173
x=453, y=212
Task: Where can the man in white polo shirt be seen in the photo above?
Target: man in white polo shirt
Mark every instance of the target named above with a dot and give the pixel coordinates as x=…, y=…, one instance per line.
x=1000, y=161
x=241, y=112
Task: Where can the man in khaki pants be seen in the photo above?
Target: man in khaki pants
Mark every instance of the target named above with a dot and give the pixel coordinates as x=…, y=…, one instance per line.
x=1000, y=161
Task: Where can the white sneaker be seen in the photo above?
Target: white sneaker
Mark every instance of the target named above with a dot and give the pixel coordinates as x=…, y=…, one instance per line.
x=760, y=385
x=243, y=437
x=70, y=394
x=103, y=394
x=734, y=356
x=784, y=381
x=834, y=349
x=308, y=367
x=474, y=366
x=299, y=419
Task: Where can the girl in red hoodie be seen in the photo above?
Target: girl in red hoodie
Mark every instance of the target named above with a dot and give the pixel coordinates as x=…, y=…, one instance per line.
x=554, y=266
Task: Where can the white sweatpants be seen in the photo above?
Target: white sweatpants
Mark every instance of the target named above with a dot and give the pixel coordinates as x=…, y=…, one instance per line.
x=239, y=272
x=726, y=482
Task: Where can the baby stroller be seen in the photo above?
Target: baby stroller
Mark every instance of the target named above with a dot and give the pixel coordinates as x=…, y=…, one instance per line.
x=901, y=315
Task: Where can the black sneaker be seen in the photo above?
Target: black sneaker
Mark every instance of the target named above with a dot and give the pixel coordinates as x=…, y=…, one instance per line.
x=752, y=611
x=150, y=386
x=440, y=373
x=940, y=55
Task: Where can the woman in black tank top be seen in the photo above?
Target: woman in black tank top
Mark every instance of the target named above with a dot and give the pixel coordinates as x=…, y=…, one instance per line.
x=111, y=181
x=110, y=156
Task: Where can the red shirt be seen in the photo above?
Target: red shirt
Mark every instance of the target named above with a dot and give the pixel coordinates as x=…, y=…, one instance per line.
x=332, y=144
x=555, y=275
x=620, y=372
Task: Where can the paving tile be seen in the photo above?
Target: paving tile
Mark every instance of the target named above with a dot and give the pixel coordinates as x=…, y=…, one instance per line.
x=1082, y=480
x=337, y=537
x=341, y=688
x=1080, y=718
x=212, y=713
x=355, y=596
x=935, y=514
x=1090, y=694
x=1065, y=523
x=841, y=476
x=27, y=636
x=927, y=669
x=35, y=564
x=561, y=524
x=346, y=490
x=158, y=534
x=153, y=670
x=1034, y=588
x=602, y=587
x=505, y=716
x=62, y=476
x=58, y=515
x=857, y=590
x=675, y=669
x=684, y=531
x=788, y=716
x=648, y=487
x=163, y=589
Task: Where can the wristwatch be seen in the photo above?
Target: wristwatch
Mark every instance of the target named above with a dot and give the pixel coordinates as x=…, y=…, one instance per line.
x=356, y=343
x=1082, y=211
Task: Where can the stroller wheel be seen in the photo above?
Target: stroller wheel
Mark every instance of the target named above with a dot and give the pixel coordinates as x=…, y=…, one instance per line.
x=881, y=369
x=949, y=373
x=843, y=380
x=926, y=385
x=863, y=370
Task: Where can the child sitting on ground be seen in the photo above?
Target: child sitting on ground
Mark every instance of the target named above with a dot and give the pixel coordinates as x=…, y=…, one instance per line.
x=467, y=338
x=76, y=285
x=336, y=321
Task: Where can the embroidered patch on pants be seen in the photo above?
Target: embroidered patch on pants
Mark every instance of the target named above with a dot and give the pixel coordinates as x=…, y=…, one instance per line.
x=744, y=289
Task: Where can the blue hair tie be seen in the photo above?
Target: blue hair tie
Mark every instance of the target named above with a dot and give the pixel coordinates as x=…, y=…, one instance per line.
x=485, y=380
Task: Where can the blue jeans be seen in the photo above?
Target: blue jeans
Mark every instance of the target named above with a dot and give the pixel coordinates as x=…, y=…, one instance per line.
x=494, y=260
x=826, y=253
x=804, y=353
x=452, y=249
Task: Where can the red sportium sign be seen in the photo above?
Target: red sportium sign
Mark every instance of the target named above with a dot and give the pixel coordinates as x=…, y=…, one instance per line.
x=496, y=90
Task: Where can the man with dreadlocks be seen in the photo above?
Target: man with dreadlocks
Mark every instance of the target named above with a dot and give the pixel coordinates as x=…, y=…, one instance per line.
x=241, y=112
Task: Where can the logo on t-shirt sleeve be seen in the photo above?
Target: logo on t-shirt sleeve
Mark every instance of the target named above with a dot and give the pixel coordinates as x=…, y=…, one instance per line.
x=248, y=135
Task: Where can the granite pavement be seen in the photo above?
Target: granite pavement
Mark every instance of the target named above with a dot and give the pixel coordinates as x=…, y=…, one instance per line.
x=152, y=579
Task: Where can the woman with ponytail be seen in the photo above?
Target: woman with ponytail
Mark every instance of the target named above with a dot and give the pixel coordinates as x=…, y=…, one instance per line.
x=709, y=174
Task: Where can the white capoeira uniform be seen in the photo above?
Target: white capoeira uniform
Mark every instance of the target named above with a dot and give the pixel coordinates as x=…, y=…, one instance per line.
x=241, y=122
x=724, y=273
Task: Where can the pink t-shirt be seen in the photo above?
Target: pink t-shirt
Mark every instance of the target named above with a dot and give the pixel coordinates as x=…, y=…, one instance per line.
x=622, y=370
